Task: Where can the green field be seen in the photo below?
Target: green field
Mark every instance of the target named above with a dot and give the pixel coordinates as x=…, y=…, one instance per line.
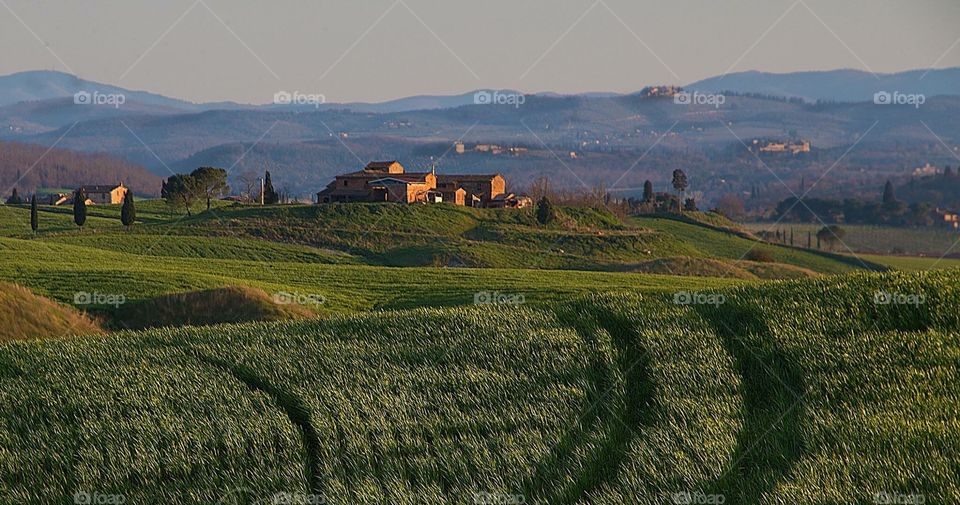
x=799, y=392
x=934, y=242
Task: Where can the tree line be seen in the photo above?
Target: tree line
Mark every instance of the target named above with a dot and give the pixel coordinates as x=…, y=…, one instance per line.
x=183, y=191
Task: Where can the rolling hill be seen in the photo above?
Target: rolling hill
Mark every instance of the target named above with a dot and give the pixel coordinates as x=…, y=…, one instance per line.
x=800, y=392
x=28, y=167
x=844, y=85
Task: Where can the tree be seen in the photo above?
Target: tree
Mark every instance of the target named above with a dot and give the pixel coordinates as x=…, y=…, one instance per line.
x=34, y=222
x=14, y=198
x=211, y=182
x=680, y=184
x=731, y=206
x=79, y=208
x=648, y=195
x=270, y=196
x=947, y=172
x=831, y=235
x=545, y=211
x=889, y=197
x=128, y=213
x=180, y=191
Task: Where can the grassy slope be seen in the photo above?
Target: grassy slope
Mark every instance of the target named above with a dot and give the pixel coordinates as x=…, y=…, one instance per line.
x=800, y=392
x=24, y=315
x=393, y=235
x=213, y=306
x=876, y=239
x=60, y=271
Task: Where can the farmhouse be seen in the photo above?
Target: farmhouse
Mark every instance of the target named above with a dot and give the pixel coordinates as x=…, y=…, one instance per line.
x=97, y=194
x=388, y=181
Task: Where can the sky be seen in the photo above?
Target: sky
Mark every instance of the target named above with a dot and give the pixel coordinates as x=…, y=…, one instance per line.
x=376, y=50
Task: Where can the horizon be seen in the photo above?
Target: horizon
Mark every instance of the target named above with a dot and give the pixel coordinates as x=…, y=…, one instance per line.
x=521, y=91
x=208, y=51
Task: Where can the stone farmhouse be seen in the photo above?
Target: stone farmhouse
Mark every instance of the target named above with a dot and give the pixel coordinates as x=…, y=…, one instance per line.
x=97, y=194
x=388, y=181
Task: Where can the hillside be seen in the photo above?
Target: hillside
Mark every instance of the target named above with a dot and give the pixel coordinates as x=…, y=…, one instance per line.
x=29, y=167
x=800, y=392
x=845, y=85
x=24, y=315
x=608, y=133
x=442, y=235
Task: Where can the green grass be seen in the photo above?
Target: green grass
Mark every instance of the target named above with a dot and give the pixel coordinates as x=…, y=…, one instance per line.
x=24, y=315
x=414, y=235
x=60, y=271
x=710, y=243
x=791, y=392
x=934, y=241
x=913, y=263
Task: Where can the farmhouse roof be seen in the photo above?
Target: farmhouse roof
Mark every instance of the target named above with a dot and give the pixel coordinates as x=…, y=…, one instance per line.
x=466, y=177
x=380, y=165
x=99, y=188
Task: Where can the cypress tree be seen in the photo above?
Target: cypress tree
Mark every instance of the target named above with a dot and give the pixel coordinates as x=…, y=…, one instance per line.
x=545, y=211
x=270, y=196
x=34, y=222
x=80, y=208
x=128, y=213
x=648, y=195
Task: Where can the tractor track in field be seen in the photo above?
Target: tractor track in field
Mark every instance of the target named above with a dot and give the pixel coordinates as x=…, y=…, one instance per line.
x=769, y=445
x=619, y=407
x=296, y=411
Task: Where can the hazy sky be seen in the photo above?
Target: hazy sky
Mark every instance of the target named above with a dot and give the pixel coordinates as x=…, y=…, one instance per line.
x=347, y=50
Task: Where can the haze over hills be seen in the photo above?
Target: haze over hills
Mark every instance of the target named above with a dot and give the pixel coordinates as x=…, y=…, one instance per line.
x=637, y=136
x=845, y=85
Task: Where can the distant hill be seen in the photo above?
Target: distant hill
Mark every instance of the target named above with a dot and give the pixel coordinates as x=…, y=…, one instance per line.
x=835, y=85
x=47, y=84
x=28, y=167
